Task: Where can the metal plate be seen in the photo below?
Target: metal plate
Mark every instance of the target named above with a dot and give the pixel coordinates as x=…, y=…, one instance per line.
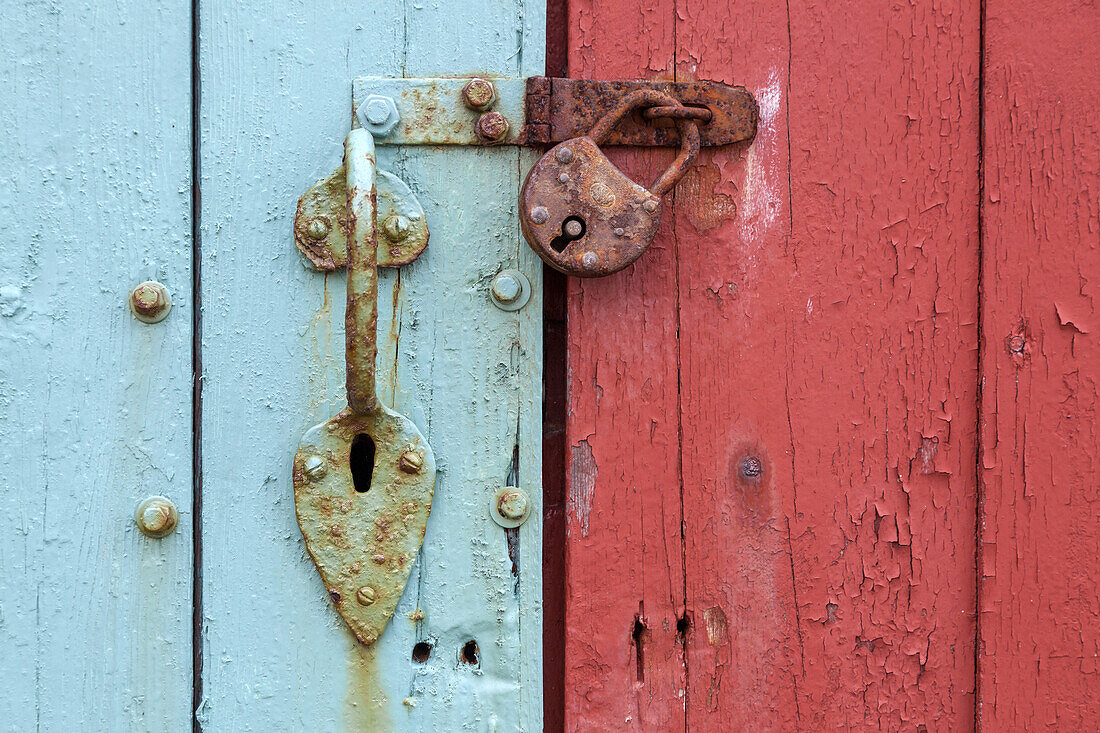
x=323, y=209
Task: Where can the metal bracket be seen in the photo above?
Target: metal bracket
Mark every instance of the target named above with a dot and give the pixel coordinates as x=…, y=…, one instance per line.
x=539, y=111
x=321, y=222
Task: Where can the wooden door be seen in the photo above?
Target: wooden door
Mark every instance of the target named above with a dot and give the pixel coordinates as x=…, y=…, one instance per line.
x=839, y=423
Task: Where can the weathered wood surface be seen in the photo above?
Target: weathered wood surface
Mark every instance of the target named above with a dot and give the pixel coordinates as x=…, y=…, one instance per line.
x=811, y=302
x=276, y=107
x=95, y=197
x=1039, y=624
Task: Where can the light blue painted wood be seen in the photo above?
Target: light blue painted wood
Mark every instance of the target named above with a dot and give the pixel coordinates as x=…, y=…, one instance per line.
x=276, y=107
x=95, y=619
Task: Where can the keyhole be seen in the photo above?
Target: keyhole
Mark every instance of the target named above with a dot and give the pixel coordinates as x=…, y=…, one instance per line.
x=362, y=462
x=572, y=228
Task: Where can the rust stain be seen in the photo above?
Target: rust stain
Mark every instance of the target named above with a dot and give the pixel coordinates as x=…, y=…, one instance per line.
x=365, y=702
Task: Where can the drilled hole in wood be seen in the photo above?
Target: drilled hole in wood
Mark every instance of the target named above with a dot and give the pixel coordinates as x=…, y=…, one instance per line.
x=572, y=229
x=470, y=653
x=421, y=651
x=683, y=624
x=362, y=462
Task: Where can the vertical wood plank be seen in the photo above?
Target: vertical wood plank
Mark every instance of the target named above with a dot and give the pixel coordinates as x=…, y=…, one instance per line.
x=1039, y=631
x=820, y=316
x=624, y=564
x=276, y=110
x=95, y=622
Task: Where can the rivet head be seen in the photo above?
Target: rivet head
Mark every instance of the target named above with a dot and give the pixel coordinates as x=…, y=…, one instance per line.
x=564, y=154
x=156, y=516
x=492, y=127
x=650, y=206
x=573, y=228
x=365, y=595
x=315, y=468
x=506, y=287
x=563, y=177
x=539, y=215
x=479, y=94
x=589, y=260
x=149, y=302
x=318, y=228
x=619, y=231
x=751, y=467
x=411, y=461
x=396, y=227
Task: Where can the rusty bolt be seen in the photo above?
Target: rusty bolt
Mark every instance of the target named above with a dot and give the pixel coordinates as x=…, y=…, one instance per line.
x=650, y=205
x=156, y=516
x=751, y=467
x=492, y=127
x=318, y=228
x=315, y=468
x=378, y=114
x=539, y=215
x=149, y=302
x=564, y=154
x=411, y=461
x=510, y=507
x=396, y=227
x=365, y=595
x=479, y=94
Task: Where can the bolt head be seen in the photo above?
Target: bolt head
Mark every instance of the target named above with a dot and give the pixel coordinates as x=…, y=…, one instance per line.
x=506, y=288
x=650, y=205
x=315, y=468
x=539, y=215
x=479, y=94
x=149, y=302
x=318, y=228
x=396, y=227
x=564, y=154
x=492, y=127
x=512, y=504
x=156, y=516
x=751, y=467
x=378, y=113
x=365, y=595
x=411, y=461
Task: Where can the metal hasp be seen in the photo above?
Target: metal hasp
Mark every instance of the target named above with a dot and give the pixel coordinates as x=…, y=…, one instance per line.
x=541, y=110
x=364, y=479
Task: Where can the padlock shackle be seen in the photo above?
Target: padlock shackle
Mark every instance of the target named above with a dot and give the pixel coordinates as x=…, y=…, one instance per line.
x=689, y=133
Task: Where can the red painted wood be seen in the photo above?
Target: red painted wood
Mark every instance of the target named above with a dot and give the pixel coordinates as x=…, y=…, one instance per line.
x=812, y=302
x=1040, y=515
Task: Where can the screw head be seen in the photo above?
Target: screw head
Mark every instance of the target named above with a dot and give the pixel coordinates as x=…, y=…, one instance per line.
x=411, y=461
x=156, y=516
x=479, y=94
x=564, y=154
x=149, y=302
x=510, y=506
x=365, y=595
x=492, y=127
x=751, y=467
x=318, y=228
x=539, y=215
x=396, y=227
x=315, y=468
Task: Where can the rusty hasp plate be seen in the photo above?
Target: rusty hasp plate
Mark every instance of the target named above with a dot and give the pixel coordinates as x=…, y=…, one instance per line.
x=321, y=222
x=560, y=109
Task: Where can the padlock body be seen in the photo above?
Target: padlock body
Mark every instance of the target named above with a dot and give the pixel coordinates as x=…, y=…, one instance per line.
x=574, y=181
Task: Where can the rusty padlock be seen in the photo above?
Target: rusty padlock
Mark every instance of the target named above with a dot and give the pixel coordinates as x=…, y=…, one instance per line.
x=581, y=214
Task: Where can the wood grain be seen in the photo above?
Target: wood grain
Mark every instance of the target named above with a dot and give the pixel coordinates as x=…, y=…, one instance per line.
x=813, y=306
x=1040, y=516
x=95, y=197
x=277, y=91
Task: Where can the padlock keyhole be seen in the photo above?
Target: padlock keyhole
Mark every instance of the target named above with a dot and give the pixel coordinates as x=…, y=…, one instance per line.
x=572, y=229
